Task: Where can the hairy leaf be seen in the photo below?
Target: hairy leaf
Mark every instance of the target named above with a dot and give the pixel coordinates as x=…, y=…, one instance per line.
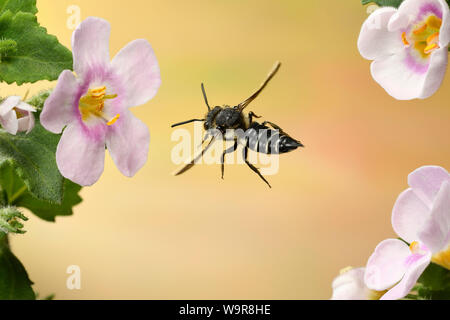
x=14, y=281
x=18, y=5
x=38, y=55
x=33, y=158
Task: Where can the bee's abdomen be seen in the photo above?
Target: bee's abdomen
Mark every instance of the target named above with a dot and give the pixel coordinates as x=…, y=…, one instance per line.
x=263, y=139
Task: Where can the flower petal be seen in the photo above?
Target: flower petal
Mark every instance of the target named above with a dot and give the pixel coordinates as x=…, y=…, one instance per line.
x=58, y=108
x=137, y=66
x=350, y=286
x=409, y=215
x=80, y=157
x=436, y=72
x=427, y=181
x=26, y=124
x=128, y=142
x=435, y=232
x=90, y=45
x=9, y=122
x=386, y=266
x=8, y=104
x=412, y=11
x=405, y=79
x=375, y=40
x=413, y=273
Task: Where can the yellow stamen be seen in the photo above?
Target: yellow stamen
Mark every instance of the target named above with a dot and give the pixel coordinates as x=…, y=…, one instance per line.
x=93, y=103
x=113, y=120
x=434, y=22
x=405, y=41
x=432, y=38
x=420, y=29
x=431, y=47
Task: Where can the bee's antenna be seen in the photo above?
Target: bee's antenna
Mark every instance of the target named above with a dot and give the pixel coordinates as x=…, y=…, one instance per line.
x=206, y=98
x=186, y=122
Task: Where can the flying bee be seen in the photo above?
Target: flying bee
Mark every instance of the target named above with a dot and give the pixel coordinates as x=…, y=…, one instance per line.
x=265, y=137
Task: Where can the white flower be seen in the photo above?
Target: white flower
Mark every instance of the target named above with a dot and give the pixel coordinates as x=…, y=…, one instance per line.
x=16, y=115
x=409, y=46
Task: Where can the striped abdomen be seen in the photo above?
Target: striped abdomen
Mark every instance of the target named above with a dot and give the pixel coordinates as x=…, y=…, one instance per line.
x=263, y=139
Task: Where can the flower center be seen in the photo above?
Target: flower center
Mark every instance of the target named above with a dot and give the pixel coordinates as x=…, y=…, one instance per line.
x=443, y=258
x=425, y=36
x=93, y=104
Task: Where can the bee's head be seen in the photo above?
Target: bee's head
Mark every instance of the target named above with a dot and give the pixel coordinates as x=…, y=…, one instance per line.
x=211, y=117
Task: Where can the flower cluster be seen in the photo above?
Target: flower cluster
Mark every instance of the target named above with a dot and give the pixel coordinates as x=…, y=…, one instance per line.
x=408, y=46
x=421, y=218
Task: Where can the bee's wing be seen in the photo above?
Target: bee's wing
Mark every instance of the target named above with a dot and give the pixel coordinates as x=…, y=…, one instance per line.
x=272, y=74
x=191, y=163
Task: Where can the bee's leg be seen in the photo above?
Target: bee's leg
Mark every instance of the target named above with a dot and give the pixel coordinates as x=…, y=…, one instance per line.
x=252, y=115
x=254, y=169
x=229, y=150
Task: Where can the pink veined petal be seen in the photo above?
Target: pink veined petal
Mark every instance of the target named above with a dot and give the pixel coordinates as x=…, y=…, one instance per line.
x=409, y=215
x=436, y=72
x=412, y=10
x=375, y=40
x=435, y=232
x=386, y=266
x=138, y=68
x=58, y=108
x=80, y=157
x=90, y=45
x=10, y=122
x=427, y=181
x=128, y=143
x=8, y=104
x=350, y=286
x=413, y=273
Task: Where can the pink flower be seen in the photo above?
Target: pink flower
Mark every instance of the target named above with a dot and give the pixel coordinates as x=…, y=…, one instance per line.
x=421, y=217
x=409, y=46
x=349, y=285
x=16, y=115
x=93, y=106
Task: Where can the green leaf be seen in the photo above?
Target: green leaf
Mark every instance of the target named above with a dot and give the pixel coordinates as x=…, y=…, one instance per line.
x=49, y=211
x=33, y=159
x=435, y=277
x=39, y=56
x=384, y=3
x=387, y=3
x=14, y=281
x=434, y=284
x=18, y=195
x=18, y=5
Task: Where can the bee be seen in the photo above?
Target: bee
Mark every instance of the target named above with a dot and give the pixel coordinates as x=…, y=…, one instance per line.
x=265, y=137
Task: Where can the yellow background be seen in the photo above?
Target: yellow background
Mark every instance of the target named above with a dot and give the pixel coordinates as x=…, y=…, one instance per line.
x=198, y=237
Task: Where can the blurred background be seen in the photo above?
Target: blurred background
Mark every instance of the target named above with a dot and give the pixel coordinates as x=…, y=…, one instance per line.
x=198, y=237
